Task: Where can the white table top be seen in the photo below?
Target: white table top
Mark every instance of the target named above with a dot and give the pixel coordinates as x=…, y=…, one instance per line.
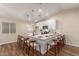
x=44, y=37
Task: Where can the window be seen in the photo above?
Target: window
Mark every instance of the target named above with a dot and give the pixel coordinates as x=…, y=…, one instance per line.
x=8, y=27
x=5, y=27
x=12, y=28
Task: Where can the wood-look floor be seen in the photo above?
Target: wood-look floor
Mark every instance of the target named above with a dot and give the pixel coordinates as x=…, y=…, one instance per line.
x=12, y=49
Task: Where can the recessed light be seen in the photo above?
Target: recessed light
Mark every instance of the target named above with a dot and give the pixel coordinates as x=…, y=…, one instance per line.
x=40, y=10
x=47, y=14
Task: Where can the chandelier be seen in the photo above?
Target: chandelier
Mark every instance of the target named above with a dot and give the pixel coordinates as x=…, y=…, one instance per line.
x=34, y=15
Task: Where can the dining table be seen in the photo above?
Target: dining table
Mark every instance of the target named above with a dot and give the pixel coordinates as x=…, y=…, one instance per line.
x=42, y=40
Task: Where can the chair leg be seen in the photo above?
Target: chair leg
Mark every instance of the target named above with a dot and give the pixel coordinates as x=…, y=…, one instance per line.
x=55, y=51
x=40, y=49
x=23, y=46
x=58, y=48
x=29, y=49
x=33, y=51
x=47, y=50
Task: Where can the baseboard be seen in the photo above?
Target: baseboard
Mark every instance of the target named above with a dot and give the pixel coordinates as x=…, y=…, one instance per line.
x=72, y=44
x=7, y=42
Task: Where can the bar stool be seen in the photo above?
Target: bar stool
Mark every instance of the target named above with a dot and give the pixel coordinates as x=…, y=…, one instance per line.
x=33, y=44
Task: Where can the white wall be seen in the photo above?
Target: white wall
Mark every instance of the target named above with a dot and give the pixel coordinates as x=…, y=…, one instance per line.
x=21, y=28
x=68, y=23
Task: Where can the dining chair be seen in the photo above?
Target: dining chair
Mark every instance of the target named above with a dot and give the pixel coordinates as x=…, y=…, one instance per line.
x=59, y=46
x=20, y=42
x=26, y=46
x=33, y=46
x=52, y=48
x=61, y=42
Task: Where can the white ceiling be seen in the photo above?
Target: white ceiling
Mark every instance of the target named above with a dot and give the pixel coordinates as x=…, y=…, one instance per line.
x=18, y=11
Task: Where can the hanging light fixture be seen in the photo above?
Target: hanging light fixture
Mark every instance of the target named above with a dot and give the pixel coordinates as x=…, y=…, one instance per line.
x=31, y=16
